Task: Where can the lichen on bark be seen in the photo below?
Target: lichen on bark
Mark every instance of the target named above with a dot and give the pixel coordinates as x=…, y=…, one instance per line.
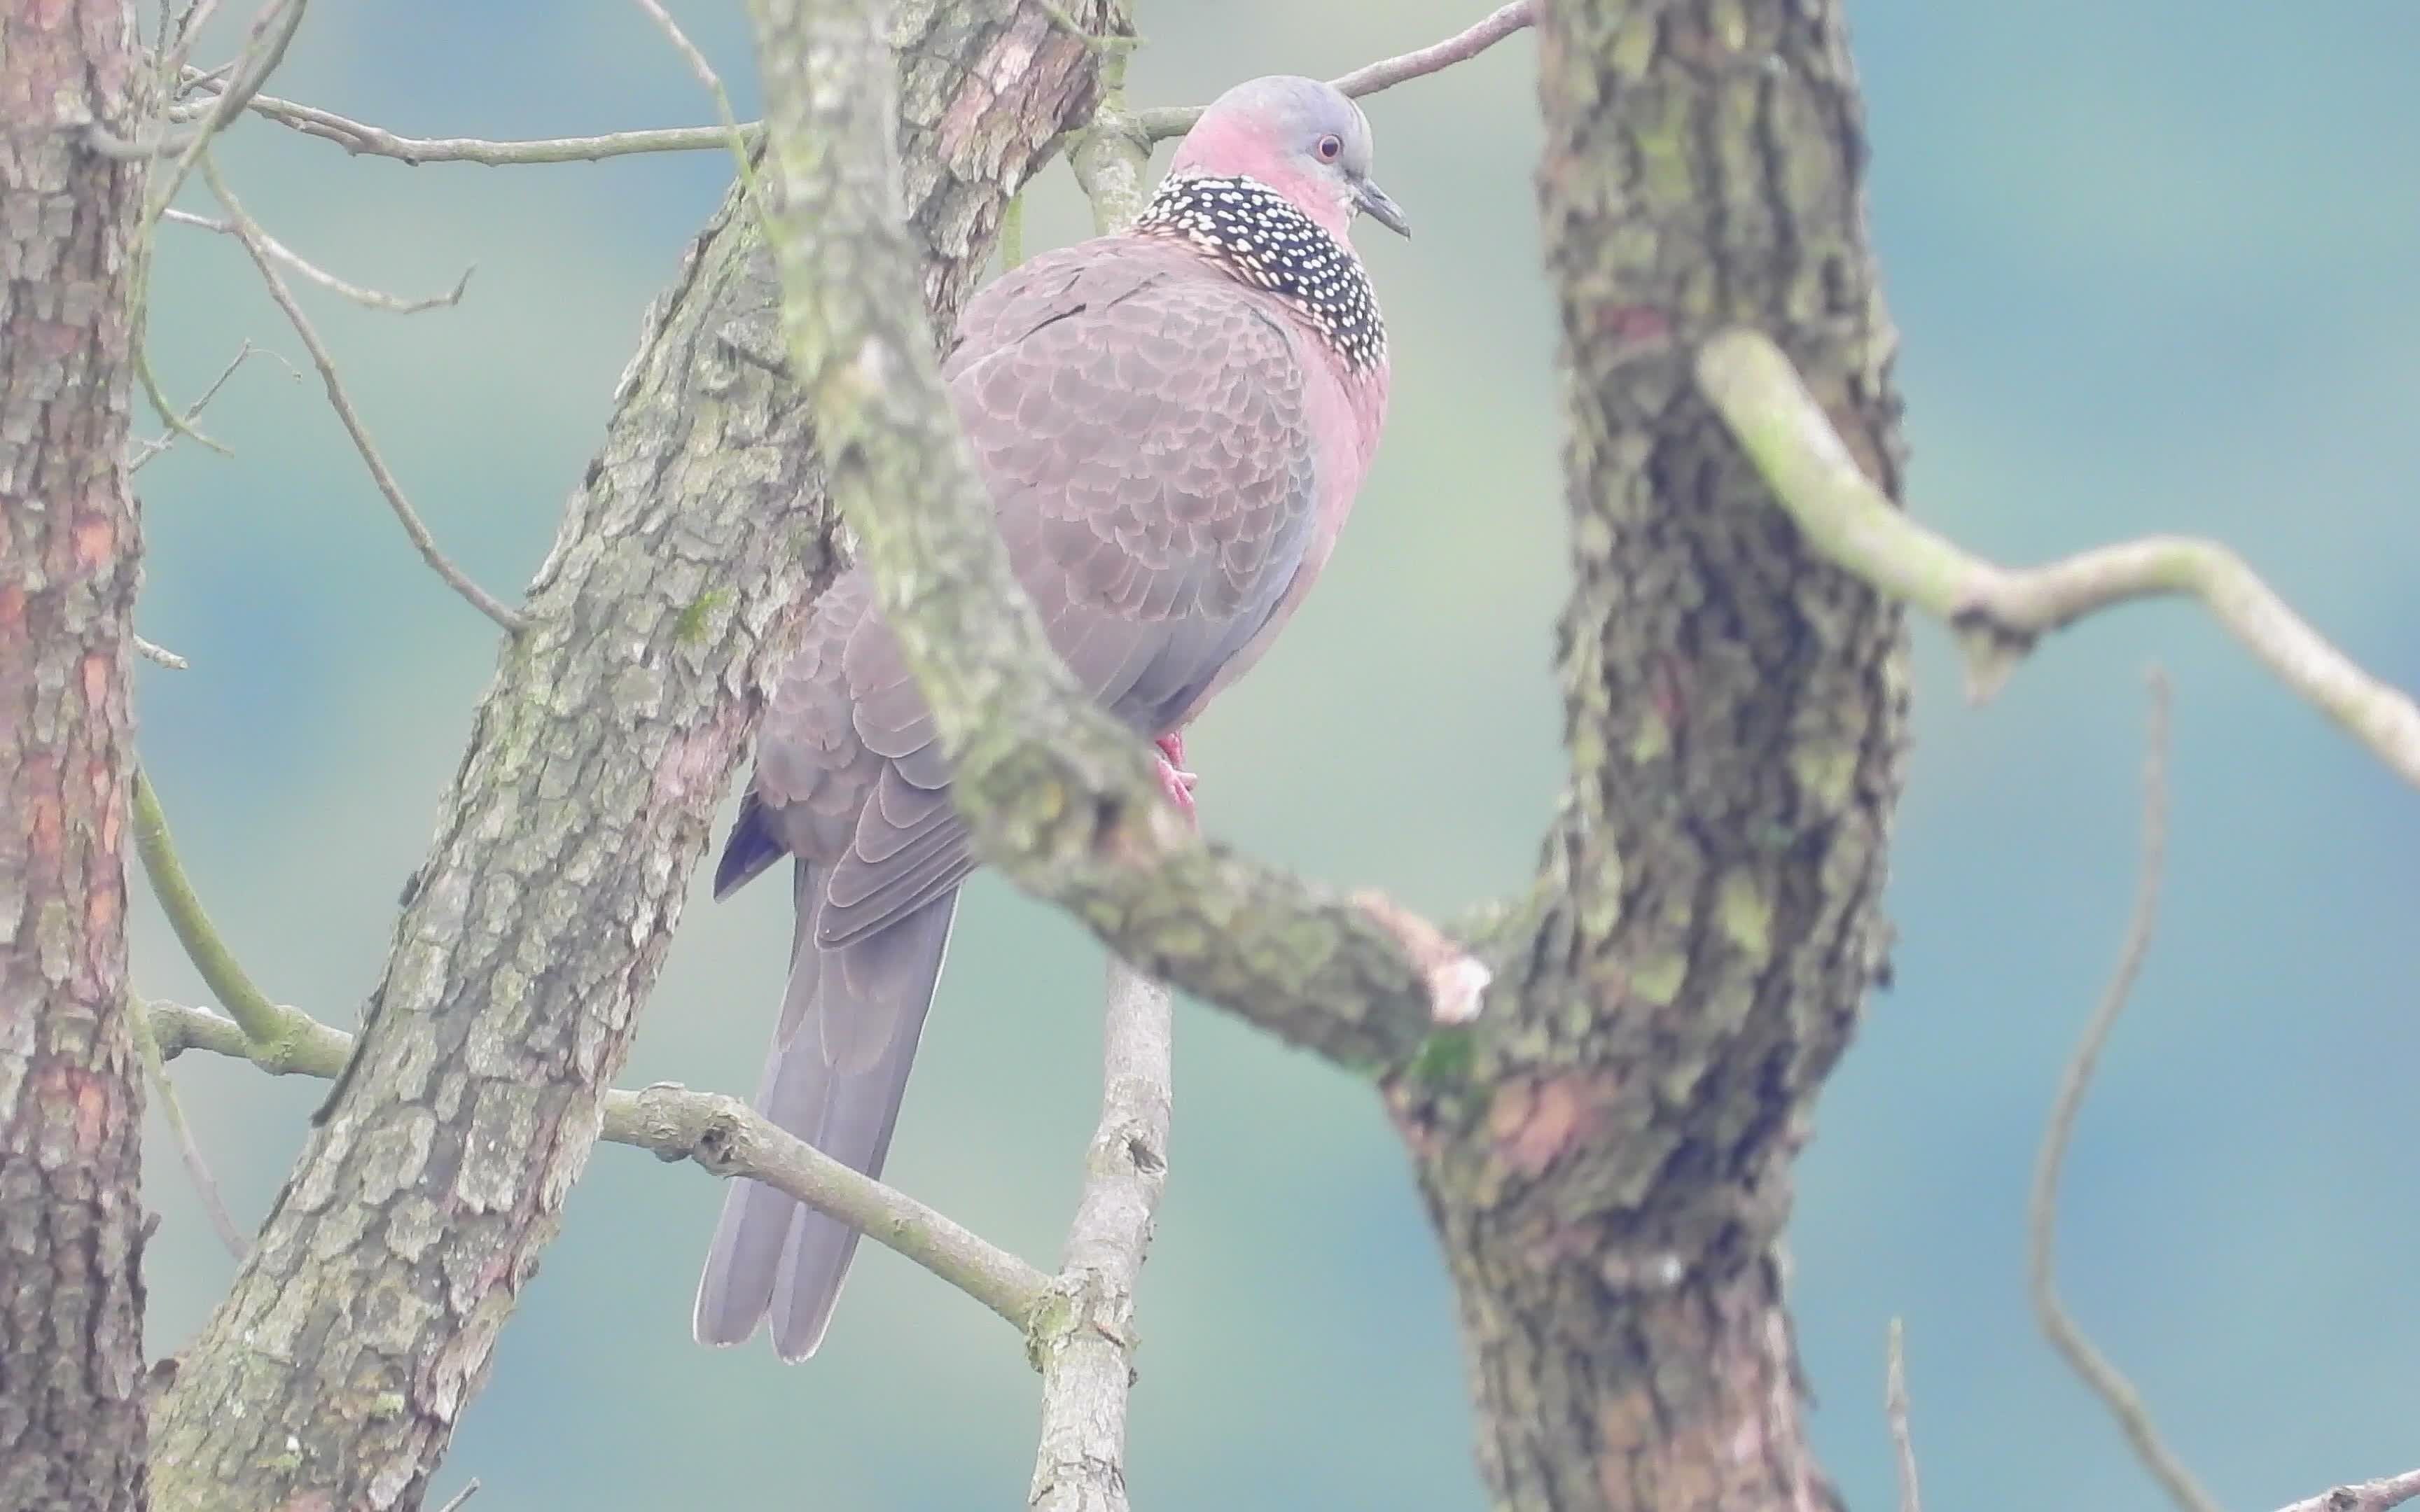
x=71, y=1226
x=1610, y=1165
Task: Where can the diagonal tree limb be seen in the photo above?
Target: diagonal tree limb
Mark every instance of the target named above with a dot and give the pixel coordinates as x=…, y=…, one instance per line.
x=538, y=921
x=721, y=1134
x=1999, y=613
x=1057, y=795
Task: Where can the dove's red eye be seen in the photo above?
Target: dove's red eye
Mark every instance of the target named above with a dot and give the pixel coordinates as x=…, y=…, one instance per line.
x=1329, y=147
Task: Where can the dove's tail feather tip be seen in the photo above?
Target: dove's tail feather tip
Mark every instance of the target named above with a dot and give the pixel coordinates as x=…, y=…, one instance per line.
x=773, y=1257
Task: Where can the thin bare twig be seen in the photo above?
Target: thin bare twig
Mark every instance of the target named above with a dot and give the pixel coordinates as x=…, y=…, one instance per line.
x=713, y=82
x=2369, y=1496
x=371, y=298
x=2042, y=1221
x=163, y=406
x=1462, y=47
x=248, y=232
x=1083, y=1336
x=469, y=1489
x=188, y=1149
x=722, y=1134
x=162, y=654
x=1895, y=1407
x=1997, y=613
x=147, y=450
x=187, y=32
x=364, y=140
x=264, y=48
x=1459, y=48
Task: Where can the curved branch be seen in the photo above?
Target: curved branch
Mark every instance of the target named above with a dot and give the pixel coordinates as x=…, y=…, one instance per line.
x=1159, y=124
x=276, y=1038
x=2042, y=1218
x=1997, y=613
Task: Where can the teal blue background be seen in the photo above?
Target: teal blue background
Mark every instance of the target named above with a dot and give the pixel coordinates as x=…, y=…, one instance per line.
x=2151, y=262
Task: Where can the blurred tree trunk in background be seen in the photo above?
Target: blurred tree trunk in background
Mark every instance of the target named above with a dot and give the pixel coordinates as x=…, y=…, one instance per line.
x=1612, y=1177
x=71, y=1431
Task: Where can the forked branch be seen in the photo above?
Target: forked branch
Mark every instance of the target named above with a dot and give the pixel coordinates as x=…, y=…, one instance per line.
x=255, y=243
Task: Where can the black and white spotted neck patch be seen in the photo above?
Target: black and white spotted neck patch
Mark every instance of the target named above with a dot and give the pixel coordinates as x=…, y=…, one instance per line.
x=1264, y=240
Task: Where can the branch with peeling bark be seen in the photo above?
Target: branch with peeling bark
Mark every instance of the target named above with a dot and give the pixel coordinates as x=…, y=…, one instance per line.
x=1998, y=613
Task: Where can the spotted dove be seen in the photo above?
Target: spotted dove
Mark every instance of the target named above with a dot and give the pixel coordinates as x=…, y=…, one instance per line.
x=1172, y=421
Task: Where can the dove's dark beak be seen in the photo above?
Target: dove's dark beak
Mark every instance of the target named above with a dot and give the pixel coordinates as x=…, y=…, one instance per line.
x=1373, y=202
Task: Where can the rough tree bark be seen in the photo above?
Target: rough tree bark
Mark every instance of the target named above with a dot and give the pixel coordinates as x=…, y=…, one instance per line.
x=1609, y=1162
x=333, y=1374
x=70, y=543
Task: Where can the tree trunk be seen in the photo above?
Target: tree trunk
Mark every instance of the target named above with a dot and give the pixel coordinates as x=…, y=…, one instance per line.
x=1610, y=1175
x=355, y=1336
x=71, y=1086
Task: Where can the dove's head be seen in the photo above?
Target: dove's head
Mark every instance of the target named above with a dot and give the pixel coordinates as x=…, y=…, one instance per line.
x=1300, y=137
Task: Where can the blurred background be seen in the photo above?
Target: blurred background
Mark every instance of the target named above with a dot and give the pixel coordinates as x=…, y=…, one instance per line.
x=2152, y=263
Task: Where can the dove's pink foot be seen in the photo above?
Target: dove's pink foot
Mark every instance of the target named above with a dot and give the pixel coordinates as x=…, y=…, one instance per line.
x=1174, y=779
